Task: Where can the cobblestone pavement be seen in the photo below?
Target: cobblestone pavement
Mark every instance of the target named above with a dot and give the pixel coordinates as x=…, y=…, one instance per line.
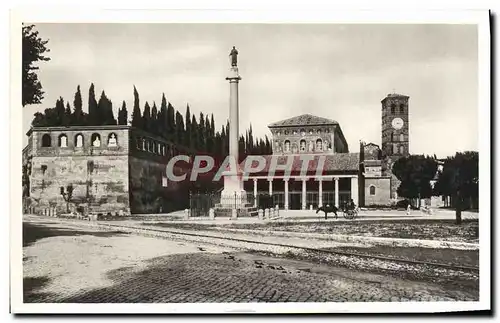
x=69, y=264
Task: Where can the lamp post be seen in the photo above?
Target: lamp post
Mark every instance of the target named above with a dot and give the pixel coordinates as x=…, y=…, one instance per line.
x=67, y=195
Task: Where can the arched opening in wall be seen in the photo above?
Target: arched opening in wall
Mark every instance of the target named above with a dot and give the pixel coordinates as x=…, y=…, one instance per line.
x=112, y=140
x=401, y=108
x=96, y=140
x=302, y=145
x=287, y=145
x=393, y=108
x=401, y=137
x=319, y=145
x=46, y=140
x=143, y=144
x=372, y=190
x=138, y=143
x=62, y=141
x=401, y=150
x=79, y=140
x=393, y=136
x=394, y=149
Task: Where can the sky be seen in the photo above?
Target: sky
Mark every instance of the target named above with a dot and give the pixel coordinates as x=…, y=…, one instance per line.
x=336, y=71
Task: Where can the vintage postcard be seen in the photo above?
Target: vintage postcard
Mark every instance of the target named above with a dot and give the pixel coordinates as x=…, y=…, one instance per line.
x=276, y=162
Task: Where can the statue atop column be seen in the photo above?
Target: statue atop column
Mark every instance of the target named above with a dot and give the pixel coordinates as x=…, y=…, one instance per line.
x=234, y=56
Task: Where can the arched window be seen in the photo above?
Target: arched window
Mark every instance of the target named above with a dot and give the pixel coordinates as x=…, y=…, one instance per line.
x=287, y=145
x=62, y=141
x=393, y=136
x=372, y=190
x=319, y=145
x=46, y=140
x=96, y=140
x=394, y=149
x=302, y=145
x=393, y=108
x=401, y=137
x=401, y=108
x=401, y=150
x=112, y=140
x=79, y=140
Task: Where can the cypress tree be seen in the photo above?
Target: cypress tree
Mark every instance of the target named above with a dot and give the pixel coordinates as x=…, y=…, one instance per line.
x=146, y=118
x=171, y=122
x=67, y=115
x=209, y=139
x=77, y=119
x=60, y=112
x=154, y=120
x=194, y=134
x=162, y=118
x=123, y=114
x=187, y=137
x=179, y=127
x=136, y=113
x=202, y=147
x=93, y=117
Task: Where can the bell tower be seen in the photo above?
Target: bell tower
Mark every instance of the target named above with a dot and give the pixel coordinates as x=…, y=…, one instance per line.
x=395, y=134
x=395, y=126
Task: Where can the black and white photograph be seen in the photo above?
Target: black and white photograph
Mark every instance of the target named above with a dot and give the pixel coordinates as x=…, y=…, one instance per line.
x=286, y=165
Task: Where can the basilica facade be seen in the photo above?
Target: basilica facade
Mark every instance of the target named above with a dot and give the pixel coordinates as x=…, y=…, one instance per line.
x=363, y=175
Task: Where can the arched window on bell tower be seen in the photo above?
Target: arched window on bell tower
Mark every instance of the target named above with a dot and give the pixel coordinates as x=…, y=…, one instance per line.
x=393, y=108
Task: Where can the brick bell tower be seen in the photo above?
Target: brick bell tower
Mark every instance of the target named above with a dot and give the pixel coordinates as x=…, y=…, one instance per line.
x=395, y=133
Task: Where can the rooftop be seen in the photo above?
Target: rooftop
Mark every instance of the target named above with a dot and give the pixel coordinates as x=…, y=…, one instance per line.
x=303, y=120
x=333, y=163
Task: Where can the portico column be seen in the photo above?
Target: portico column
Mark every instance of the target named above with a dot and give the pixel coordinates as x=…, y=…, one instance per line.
x=270, y=186
x=336, y=192
x=255, y=192
x=320, y=198
x=354, y=189
x=286, y=194
x=304, y=194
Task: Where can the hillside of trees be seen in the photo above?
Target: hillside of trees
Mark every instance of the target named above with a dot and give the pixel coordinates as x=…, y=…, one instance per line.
x=197, y=133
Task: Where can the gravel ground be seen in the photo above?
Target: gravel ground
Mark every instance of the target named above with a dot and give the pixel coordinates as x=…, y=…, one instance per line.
x=68, y=263
x=444, y=230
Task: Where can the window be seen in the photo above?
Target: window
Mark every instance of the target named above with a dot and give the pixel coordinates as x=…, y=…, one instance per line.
x=44, y=169
x=393, y=108
x=96, y=140
x=372, y=190
x=393, y=136
x=287, y=145
x=46, y=140
x=401, y=137
x=401, y=108
x=63, y=141
x=79, y=140
x=394, y=149
x=302, y=145
x=401, y=150
x=319, y=145
x=112, y=140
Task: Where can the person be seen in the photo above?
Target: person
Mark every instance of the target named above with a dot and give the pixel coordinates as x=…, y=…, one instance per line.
x=352, y=206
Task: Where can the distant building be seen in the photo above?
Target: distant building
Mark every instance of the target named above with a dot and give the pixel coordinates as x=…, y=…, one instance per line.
x=116, y=169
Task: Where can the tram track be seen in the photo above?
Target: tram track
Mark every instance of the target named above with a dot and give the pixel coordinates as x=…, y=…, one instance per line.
x=147, y=231
x=166, y=233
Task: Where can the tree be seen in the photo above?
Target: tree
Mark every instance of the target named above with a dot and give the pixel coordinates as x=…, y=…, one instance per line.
x=66, y=121
x=104, y=114
x=136, y=113
x=171, y=122
x=123, y=114
x=146, y=117
x=194, y=133
x=93, y=116
x=179, y=127
x=34, y=49
x=154, y=120
x=187, y=137
x=459, y=179
x=78, y=117
x=415, y=173
x=162, y=118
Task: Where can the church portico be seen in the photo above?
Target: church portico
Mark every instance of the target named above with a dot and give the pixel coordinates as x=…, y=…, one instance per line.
x=297, y=192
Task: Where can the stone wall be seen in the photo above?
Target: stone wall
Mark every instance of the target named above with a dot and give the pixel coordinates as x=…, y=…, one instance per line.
x=382, y=191
x=100, y=183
